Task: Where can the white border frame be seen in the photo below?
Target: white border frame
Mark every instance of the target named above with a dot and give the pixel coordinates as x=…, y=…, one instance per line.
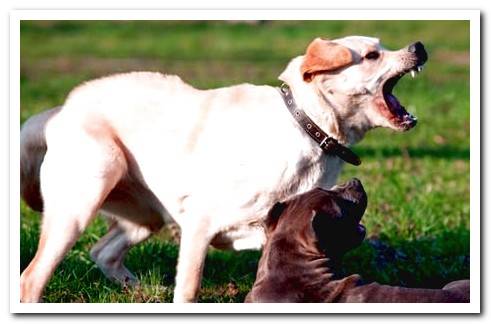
x=475, y=252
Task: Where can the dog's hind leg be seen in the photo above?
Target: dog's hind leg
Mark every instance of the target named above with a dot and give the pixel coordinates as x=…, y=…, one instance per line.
x=75, y=180
x=110, y=251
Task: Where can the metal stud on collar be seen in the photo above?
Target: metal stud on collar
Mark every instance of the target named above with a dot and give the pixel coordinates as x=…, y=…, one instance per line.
x=284, y=88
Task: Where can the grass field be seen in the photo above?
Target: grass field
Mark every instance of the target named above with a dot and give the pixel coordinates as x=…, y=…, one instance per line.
x=417, y=182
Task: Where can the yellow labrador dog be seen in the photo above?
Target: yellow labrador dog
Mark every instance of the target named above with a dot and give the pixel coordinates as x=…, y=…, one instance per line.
x=147, y=149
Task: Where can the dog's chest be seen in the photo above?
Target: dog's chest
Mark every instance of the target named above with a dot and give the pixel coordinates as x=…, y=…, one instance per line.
x=307, y=174
x=310, y=170
x=298, y=174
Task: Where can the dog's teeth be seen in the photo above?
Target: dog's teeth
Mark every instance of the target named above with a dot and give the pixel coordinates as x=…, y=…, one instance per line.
x=420, y=68
x=413, y=74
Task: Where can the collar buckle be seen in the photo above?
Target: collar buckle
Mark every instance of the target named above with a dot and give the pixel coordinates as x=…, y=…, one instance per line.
x=329, y=145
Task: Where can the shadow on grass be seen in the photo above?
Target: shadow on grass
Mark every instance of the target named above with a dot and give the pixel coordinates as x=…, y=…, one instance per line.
x=427, y=262
x=442, y=152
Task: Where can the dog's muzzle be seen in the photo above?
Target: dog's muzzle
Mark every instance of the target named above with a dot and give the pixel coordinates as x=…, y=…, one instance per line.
x=353, y=191
x=414, y=58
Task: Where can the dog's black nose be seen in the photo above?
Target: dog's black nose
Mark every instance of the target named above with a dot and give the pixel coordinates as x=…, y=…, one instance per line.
x=418, y=49
x=352, y=190
x=355, y=193
x=355, y=182
x=355, y=187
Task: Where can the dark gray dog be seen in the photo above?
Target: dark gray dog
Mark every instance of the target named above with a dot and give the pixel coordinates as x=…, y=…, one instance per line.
x=306, y=238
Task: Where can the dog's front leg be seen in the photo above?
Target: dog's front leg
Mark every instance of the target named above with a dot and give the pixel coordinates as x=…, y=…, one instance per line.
x=195, y=239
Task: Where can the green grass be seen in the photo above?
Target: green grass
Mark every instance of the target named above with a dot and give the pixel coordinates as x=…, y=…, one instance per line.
x=417, y=182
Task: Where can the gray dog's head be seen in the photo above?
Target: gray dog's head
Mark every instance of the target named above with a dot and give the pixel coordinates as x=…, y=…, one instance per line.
x=325, y=220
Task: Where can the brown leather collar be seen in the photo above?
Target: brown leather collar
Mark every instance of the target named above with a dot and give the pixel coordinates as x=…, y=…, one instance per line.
x=327, y=143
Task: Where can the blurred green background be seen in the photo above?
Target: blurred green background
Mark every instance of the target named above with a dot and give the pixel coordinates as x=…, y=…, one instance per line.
x=417, y=182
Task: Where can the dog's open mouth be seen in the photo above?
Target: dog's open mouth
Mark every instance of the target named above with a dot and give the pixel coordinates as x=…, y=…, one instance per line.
x=396, y=113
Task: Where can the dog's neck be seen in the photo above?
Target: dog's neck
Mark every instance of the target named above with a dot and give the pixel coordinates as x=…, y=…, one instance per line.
x=310, y=98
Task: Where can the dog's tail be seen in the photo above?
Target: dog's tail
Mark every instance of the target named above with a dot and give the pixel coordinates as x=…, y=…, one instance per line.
x=32, y=151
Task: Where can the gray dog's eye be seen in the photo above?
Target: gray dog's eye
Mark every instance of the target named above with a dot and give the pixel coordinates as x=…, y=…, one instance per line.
x=372, y=55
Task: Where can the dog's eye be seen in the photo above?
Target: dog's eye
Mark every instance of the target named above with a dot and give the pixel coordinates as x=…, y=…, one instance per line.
x=372, y=55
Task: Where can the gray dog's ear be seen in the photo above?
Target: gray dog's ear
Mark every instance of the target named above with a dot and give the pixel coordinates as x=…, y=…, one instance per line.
x=322, y=56
x=274, y=215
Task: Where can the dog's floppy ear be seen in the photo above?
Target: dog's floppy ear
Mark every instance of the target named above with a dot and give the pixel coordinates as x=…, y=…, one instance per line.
x=274, y=215
x=322, y=56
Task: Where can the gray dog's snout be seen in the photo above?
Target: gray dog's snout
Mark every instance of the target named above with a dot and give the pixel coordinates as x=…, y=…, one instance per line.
x=418, y=49
x=355, y=182
x=353, y=185
x=352, y=190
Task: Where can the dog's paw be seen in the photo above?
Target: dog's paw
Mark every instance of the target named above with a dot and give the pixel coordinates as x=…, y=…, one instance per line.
x=122, y=276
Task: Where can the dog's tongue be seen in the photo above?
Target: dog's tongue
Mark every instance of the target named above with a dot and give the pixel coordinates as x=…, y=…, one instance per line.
x=394, y=104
